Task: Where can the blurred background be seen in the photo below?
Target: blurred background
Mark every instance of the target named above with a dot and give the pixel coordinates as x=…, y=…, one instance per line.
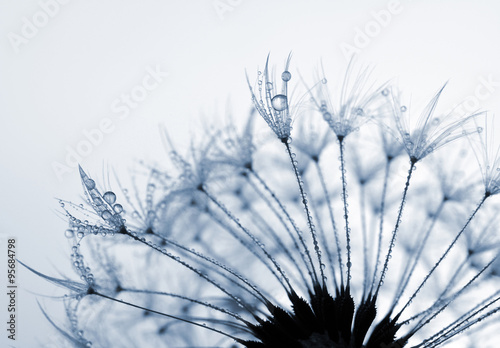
x=90, y=82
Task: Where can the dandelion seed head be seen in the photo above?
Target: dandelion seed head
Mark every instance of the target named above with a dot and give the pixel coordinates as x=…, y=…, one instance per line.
x=430, y=131
x=274, y=106
x=242, y=245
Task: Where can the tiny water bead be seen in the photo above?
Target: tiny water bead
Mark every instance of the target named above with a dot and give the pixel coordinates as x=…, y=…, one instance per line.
x=286, y=76
x=90, y=184
x=109, y=197
x=269, y=86
x=279, y=102
x=69, y=233
x=106, y=214
x=403, y=108
x=117, y=208
x=385, y=92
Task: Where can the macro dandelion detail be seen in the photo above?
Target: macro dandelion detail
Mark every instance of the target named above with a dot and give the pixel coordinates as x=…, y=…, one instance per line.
x=312, y=238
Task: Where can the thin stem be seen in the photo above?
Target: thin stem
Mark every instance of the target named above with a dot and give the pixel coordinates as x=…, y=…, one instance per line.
x=362, y=203
x=185, y=264
x=310, y=268
x=308, y=213
x=444, y=255
x=250, y=235
x=346, y=212
x=323, y=240
x=396, y=227
x=263, y=225
x=247, y=246
x=256, y=293
x=381, y=226
x=332, y=219
x=282, y=221
x=405, y=280
x=448, y=301
x=167, y=315
x=189, y=299
x=444, y=334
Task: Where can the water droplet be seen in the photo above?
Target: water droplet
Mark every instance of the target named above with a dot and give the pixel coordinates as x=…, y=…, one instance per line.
x=324, y=81
x=269, y=86
x=118, y=208
x=106, y=214
x=479, y=129
x=90, y=184
x=109, y=197
x=279, y=102
x=286, y=76
x=403, y=108
x=69, y=233
x=385, y=92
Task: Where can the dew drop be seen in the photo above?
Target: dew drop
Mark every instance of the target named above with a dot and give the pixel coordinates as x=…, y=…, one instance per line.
x=106, y=214
x=90, y=184
x=385, y=92
x=69, y=233
x=286, y=76
x=324, y=81
x=479, y=129
x=403, y=108
x=109, y=197
x=279, y=102
x=118, y=208
x=269, y=86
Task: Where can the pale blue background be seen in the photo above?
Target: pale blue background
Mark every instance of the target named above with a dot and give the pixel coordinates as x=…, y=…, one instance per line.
x=65, y=78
